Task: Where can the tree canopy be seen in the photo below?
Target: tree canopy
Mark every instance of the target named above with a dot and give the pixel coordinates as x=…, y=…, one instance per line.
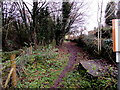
x=42, y=25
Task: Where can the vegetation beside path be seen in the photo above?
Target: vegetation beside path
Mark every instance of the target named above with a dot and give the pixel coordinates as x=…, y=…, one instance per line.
x=38, y=70
x=44, y=67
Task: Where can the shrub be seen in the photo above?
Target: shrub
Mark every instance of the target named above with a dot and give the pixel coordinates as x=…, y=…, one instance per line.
x=90, y=44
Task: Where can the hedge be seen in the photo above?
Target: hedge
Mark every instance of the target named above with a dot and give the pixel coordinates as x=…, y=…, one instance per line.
x=89, y=43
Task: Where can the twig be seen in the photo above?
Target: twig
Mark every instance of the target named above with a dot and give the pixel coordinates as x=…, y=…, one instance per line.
x=8, y=77
x=24, y=71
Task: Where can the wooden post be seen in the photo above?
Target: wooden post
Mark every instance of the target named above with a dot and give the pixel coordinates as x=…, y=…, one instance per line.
x=30, y=50
x=13, y=65
x=0, y=72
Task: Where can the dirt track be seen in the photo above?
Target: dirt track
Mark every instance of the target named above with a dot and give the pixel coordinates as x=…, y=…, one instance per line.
x=82, y=58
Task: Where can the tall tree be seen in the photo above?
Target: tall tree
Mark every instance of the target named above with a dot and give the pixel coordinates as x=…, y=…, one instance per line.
x=34, y=23
x=45, y=31
x=62, y=22
x=38, y=26
x=110, y=13
x=71, y=14
x=99, y=20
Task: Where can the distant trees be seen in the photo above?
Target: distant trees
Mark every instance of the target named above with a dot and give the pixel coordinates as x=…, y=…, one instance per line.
x=45, y=28
x=22, y=27
x=14, y=29
x=72, y=15
x=61, y=24
x=40, y=25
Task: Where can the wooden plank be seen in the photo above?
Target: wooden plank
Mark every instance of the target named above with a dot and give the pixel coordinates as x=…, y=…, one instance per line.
x=8, y=78
x=113, y=35
x=13, y=65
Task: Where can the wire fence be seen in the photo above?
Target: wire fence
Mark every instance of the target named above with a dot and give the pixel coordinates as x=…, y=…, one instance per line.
x=12, y=65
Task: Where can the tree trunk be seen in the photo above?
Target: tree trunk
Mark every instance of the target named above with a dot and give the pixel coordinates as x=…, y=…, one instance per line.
x=35, y=39
x=35, y=7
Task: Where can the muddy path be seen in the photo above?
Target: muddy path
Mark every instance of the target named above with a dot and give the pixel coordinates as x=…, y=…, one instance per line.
x=77, y=55
x=73, y=50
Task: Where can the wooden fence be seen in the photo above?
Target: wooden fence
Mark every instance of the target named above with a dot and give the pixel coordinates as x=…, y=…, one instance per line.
x=12, y=74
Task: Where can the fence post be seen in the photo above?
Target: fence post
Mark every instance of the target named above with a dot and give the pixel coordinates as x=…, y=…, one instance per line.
x=13, y=65
x=30, y=50
x=0, y=72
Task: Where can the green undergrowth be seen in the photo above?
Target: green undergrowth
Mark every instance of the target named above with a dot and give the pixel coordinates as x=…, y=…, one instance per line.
x=41, y=75
x=38, y=70
x=43, y=69
x=81, y=79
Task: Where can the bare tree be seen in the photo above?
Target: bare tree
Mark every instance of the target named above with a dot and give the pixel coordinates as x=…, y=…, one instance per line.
x=32, y=16
x=108, y=13
x=65, y=16
x=0, y=45
x=76, y=17
x=99, y=20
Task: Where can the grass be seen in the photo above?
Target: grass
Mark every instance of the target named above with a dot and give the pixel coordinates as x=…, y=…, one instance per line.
x=43, y=71
x=78, y=79
x=45, y=65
